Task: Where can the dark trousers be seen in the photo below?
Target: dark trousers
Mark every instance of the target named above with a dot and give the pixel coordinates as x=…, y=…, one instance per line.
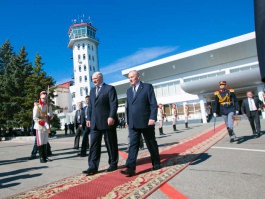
x=85, y=141
x=254, y=121
x=35, y=148
x=111, y=142
x=79, y=131
x=151, y=143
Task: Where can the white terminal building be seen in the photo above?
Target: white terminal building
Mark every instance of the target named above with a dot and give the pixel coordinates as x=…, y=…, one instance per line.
x=190, y=77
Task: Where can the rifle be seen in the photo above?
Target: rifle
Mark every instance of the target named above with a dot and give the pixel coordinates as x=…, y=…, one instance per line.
x=48, y=111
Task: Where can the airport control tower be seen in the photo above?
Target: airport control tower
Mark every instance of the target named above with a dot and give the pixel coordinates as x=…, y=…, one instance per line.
x=83, y=42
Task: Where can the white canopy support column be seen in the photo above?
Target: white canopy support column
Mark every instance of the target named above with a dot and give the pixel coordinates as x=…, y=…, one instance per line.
x=203, y=109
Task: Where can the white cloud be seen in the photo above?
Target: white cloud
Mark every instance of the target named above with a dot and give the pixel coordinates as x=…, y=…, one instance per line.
x=139, y=57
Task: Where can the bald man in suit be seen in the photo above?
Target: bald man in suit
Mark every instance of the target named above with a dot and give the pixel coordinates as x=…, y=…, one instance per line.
x=141, y=119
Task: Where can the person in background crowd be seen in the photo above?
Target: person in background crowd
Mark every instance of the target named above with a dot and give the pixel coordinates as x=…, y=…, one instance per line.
x=174, y=114
x=186, y=115
x=141, y=119
x=78, y=125
x=160, y=118
x=65, y=128
x=103, y=120
x=209, y=112
x=227, y=100
x=251, y=108
x=42, y=114
x=86, y=130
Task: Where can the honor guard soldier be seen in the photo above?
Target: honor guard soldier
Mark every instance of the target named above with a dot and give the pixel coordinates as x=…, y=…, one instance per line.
x=160, y=118
x=186, y=115
x=174, y=114
x=226, y=100
x=42, y=113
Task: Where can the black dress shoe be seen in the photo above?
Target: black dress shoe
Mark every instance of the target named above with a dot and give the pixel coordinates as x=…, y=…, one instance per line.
x=32, y=157
x=111, y=168
x=156, y=167
x=42, y=160
x=90, y=172
x=232, y=140
x=49, y=159
x=128, y=172
x=82, y=154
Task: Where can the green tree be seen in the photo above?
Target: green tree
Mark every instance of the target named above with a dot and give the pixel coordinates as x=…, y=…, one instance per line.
x=7, y=65
x=22, y=71
x=55, y=122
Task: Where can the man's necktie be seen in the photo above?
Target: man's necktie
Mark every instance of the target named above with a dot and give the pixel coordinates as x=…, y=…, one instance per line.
x=97, y=90
x=134, y=91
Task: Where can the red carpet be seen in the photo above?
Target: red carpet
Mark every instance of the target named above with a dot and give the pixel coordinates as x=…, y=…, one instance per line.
x=174, y=158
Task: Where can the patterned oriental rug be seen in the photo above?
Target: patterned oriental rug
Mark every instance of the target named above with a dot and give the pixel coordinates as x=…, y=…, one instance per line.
x=174, y=159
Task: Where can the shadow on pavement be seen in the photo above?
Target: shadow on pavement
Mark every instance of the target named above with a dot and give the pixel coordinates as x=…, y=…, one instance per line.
x=15, y=172
x=201, y=158
x=173, y=159
x=17, y=177
x=18, y=160
x=243, y=139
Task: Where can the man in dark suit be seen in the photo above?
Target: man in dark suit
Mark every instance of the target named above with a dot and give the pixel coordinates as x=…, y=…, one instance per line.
x=86, y=130
x=78, y=125
x=251, y=108
x=102, y=119
x=141, y=119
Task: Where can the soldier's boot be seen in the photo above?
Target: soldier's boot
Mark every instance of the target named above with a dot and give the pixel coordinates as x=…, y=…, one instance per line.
x=186, y=125
x=174, y=127
x=161, y=131
x=49, y=150
x=41, y=153
x=45, y=153
x=231, y=134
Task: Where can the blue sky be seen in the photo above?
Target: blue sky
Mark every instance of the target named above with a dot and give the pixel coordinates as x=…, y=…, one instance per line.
x=130, y=32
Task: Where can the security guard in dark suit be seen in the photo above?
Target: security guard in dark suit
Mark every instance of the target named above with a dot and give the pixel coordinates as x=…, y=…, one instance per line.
x=78, y=125
x=227, y=101
x=86, y=130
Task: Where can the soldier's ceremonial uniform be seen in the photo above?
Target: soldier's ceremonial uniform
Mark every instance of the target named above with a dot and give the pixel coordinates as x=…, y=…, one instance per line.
x=160, y=118
x=174, y=114
x=227, y=102
x=186, y=115
x=42, y=113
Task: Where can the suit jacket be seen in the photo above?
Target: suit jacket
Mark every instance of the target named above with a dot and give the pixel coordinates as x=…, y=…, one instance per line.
x=245, y=105
x=102, y=106
x=142, y=107
x=84, y=116
x=78, y=113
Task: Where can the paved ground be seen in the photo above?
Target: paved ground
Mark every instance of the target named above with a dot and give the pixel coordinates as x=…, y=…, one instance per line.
x=225, y=171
